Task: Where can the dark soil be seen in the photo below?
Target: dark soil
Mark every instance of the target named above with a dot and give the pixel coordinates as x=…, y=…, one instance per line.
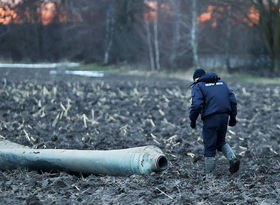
x=45, y=111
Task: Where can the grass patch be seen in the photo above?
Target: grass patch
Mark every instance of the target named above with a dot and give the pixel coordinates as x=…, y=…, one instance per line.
x=253, y=79
x=96, y=67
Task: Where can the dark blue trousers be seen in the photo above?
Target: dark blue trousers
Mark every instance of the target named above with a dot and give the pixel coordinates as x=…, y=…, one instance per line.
x=214, y=133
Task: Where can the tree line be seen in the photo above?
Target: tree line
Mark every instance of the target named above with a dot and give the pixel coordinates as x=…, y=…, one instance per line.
x=156, y=34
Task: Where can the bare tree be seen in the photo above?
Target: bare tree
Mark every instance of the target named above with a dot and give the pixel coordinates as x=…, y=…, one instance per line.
x=269, y=27
x=194, y=33
x=224, y=26
x=228, y=37
x=176, y=32
x=183, y=45
x=156, y=42
x=109, y=32
x=265, y=15
x=151, y=20
x=150, y=45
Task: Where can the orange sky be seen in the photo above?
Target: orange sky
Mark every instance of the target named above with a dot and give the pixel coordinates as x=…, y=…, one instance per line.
x=254, y=16
x=153, y=13
x=154, y=7
x=204, y=17
x=6, y=16
x=208, y=15
x=47, y=11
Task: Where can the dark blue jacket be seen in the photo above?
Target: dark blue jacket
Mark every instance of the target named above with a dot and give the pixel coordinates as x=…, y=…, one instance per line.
x=212, y=96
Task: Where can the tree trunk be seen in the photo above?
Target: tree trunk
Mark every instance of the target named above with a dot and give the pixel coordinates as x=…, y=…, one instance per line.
x=269, y=27
x=276, y=43
x=108, y=35
x=276, y=64
x=149, y=42
x=194, y=33
x=176, y=32
x=40, y=32
x=228, y=38
x=156, y=41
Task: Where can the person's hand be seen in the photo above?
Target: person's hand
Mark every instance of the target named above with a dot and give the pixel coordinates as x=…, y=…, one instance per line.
x=193, y=124
x=232, y=121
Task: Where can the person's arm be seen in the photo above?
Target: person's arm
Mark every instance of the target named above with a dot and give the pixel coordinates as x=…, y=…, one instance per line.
x=233, y=103
x=197, y=103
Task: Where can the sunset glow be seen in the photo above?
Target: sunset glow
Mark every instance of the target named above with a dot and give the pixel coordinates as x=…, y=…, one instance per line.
x=47, y=12
x=254, y=16
x=154, y=7
x=153, y=12
x=6, y=16
x=214, y=24
x=206, y=16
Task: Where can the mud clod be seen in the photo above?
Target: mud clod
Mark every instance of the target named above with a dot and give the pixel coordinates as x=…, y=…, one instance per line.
x=46, y=111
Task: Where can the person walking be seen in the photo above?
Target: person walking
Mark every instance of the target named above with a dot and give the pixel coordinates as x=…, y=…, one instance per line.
x=217, y=105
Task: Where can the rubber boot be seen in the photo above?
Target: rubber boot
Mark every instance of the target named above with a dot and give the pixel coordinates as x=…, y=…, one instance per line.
x=210, y=163
x=233, y=161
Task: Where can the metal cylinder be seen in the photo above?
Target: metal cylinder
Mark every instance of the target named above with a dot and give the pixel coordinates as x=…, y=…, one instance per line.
x=6, y=144
x=122, y=162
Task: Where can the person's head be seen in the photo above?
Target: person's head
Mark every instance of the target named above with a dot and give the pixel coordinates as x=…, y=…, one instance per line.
x=198, y=73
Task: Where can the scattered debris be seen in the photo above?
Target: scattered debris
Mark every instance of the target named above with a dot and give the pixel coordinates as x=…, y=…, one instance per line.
x=115, y=112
